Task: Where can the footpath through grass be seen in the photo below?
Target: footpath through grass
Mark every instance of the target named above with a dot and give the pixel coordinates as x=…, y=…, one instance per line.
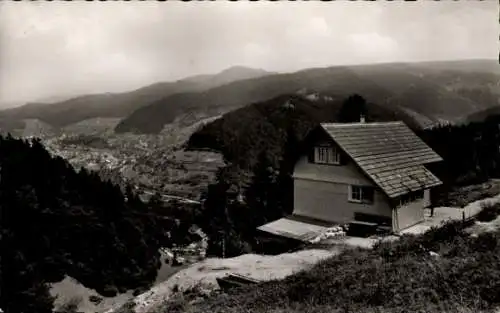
x=442, y=270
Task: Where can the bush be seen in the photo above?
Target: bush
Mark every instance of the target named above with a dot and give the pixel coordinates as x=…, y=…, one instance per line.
x=95, y=299
x=413, y=245
x=488, y=212
x=109, y=291
x=485, y=242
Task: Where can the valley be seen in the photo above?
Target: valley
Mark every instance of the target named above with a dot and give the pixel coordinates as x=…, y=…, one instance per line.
x=151, y=163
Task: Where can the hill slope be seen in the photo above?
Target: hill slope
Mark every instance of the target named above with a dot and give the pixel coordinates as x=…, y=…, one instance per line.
x=483, y=114
x=80, y=108
x=334, y=80
x=434, y=91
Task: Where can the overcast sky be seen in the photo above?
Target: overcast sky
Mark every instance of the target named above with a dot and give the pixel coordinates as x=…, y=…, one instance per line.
x=67, y=48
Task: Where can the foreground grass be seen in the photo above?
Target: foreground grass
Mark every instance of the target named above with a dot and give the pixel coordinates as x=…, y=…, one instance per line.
x=461, y=275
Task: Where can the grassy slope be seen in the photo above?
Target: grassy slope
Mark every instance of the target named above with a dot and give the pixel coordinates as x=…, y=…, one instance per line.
x=423, y=89
x=397, y=276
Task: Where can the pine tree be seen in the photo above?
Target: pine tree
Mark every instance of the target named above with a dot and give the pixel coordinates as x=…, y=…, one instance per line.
x=285, y=181
x=352, y=108
x=262, y=194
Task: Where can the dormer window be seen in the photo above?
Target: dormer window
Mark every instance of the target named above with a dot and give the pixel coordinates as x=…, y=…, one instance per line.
x=326, y=155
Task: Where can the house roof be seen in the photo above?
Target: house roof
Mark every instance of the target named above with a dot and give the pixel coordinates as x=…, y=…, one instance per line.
x=389, y=153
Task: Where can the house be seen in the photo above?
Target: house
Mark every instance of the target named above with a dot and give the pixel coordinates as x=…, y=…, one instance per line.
x=359, y=174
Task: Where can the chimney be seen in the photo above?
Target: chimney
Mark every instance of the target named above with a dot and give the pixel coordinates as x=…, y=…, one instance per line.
x=362, y=118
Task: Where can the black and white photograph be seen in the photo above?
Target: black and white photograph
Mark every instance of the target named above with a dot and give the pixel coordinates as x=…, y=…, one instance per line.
x=250, y=156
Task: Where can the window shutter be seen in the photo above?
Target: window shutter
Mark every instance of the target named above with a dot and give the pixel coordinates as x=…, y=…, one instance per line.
x=342, y=158
x=310, y=155
x=368, y=194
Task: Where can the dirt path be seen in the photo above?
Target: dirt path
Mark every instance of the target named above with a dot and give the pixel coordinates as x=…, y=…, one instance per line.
x=256, y=266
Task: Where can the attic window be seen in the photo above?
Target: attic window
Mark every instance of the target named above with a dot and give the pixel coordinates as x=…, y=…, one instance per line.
x=361, y=194
x=326, y=155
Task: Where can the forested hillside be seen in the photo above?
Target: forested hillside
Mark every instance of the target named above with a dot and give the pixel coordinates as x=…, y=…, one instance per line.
x=432, y=92
x=57, y=222
x=484, y=114
x=471, y=152
x=241, y=135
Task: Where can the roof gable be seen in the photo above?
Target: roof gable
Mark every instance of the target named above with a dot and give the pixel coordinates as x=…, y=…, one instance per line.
x=389, y=153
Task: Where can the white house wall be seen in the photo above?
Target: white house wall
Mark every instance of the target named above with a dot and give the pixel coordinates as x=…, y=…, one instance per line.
x=329, y=201
x=345, y=174
x=408, y=215
x=427, y=197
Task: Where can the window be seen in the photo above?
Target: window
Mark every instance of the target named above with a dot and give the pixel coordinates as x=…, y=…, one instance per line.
x=326, y=155
x=361, y=194
x=355, y=193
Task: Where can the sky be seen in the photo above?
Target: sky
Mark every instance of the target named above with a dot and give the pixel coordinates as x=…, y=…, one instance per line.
x=60, y=49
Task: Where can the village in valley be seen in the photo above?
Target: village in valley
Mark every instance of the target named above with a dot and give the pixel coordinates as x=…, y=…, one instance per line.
x=361, y=175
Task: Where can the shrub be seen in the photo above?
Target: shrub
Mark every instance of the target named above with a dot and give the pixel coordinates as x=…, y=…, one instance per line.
x=412, y=245
x=109, y=291
x=485, y=242
x=489, y=212
x=95, y=299
x=138, y=291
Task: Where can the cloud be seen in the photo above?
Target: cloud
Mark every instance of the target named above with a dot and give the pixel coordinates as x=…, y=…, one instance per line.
x=59, y=48
x=319, y=27
x=378, y=47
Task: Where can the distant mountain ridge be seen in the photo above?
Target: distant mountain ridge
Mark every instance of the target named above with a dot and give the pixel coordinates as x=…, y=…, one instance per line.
x=432, y=92
x=112, y=105
x=228, y=75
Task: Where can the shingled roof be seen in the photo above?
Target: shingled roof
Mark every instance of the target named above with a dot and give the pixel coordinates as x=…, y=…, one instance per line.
x=389, y=153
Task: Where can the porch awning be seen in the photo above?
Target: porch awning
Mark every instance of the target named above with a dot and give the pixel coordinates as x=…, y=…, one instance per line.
x=296, y=228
